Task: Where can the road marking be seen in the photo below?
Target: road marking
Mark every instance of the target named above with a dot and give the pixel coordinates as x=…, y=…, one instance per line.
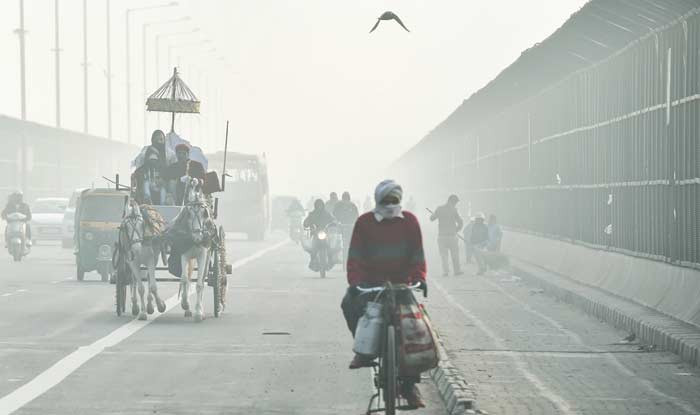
x=69, y=364
x=22, y=290
x=648, y=385
x=6, y=295
x=562, y=404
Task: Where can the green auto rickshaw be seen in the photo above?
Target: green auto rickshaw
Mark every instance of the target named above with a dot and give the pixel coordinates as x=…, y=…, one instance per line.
x=98, y=215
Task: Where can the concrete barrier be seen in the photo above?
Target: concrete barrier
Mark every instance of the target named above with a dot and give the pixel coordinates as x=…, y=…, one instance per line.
x=669, y=289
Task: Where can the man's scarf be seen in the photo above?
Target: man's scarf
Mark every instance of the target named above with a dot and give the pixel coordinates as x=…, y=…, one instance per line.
x=384, y=189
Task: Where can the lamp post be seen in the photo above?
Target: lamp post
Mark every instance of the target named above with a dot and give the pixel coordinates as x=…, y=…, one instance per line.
x=85, y=68
x=108, y=72
x=22, y=62
x=57, y=49
x=128, y=60
x=144, y=34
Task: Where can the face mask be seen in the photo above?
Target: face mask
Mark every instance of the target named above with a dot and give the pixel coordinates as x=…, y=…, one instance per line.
x=388, y=211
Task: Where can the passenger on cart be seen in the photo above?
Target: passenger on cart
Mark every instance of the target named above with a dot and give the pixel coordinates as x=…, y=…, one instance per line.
x=178, y=172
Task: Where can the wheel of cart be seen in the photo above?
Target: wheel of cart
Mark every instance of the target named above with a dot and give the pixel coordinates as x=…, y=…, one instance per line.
x=122, y=279
x=216, y=277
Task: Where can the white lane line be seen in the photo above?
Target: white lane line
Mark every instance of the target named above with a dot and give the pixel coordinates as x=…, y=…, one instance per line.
x=69, y=364
x=562, y=404
x=645, y=383
x=22, y=290
x=6, y=295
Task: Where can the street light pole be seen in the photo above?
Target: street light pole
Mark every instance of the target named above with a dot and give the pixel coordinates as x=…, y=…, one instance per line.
x=109, y=72
x=144, y=34
x=58, y=66
x=85, y=67
x=128, y=62
x=22, y=62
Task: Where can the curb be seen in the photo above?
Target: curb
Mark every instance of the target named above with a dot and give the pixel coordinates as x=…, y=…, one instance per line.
x=456, y=393
x=650, y=326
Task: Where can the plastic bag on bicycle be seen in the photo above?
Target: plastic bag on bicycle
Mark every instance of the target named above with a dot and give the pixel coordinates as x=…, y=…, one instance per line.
x=417, y=342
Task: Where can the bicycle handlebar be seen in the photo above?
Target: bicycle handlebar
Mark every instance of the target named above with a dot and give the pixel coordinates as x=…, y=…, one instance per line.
x=419, y=285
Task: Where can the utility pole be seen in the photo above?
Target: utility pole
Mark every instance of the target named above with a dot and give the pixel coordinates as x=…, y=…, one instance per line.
x=58, y=66
x=128, y=80
x=85, y=67
x=22, y=61
x=144, y=28
x=109, y=73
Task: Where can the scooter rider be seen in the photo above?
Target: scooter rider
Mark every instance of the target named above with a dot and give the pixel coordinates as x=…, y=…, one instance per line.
x=386, y=245
x=15, y=203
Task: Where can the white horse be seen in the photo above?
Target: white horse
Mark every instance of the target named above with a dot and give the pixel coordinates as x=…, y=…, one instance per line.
x=195, y=218
x=140, y=250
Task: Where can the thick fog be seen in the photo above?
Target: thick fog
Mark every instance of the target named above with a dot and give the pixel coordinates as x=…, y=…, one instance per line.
x=303, y=81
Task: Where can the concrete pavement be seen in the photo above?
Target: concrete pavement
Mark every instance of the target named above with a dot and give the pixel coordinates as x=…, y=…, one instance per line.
x=526, y=353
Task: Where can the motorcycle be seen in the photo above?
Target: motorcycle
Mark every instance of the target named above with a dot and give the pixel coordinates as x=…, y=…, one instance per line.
x=324, y=246
x=296, y=229
x=16, y=235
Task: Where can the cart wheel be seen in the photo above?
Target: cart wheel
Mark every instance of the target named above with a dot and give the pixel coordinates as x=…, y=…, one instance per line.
x=216, y=286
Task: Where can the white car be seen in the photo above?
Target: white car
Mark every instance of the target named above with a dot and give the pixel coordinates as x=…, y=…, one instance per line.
x=47, y=218
x=68, y=224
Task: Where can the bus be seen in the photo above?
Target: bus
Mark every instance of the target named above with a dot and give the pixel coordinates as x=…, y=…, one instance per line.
x=244, y=206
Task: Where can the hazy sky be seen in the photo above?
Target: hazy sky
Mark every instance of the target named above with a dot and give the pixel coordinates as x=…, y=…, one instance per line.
x=302, y=80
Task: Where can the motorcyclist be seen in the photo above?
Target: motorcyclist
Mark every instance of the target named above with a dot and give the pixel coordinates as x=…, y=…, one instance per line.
x=318, y=218
x=332, y=202
x=15, y=203
x=346, y=213
x=184, y=167
x=295, y=211
x=387, y=245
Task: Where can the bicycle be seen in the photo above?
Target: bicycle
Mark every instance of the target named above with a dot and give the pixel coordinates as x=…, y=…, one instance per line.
x=386, y=369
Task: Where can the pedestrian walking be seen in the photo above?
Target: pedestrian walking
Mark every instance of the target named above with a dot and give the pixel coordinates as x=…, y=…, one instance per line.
x=479, y=240
x=449, y=224
x=467, y=238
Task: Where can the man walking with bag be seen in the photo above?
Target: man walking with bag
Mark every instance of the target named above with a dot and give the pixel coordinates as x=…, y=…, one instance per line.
x=449, y=224
x=386, y=245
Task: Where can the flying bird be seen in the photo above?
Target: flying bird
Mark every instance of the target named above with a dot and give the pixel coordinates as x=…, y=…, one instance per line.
x=389, y=16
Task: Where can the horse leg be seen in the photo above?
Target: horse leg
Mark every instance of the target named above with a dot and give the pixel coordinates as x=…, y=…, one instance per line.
x=202, y=265
x=184, y=286
x=152, y=285
x=135, y=272
x=142, y=294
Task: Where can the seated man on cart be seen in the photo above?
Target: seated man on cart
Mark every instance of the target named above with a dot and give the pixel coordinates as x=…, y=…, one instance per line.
x=178, y=172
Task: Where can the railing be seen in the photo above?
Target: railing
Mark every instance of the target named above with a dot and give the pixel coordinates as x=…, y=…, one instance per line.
x=608, y=157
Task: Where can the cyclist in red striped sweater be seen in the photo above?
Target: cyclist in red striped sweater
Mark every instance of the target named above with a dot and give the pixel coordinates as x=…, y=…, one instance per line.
x=386, y=245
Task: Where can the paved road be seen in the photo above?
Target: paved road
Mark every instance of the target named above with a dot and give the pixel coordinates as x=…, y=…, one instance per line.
x=527, y=353
x=281, y=347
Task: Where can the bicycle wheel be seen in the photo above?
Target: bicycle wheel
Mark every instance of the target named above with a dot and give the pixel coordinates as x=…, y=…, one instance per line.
x=390, y=372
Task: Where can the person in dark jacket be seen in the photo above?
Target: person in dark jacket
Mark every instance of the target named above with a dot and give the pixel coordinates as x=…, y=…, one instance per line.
x=449, y=224
x=387, y=245
x=178, y=172
x=319, y=218
x=346, y=213
x=15, y=203
x=480, y=240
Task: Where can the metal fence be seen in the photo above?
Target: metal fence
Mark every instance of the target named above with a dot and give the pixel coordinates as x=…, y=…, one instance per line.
x=608, y=157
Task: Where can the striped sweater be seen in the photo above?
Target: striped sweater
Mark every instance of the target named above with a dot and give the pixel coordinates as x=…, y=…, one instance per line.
x=390, y=250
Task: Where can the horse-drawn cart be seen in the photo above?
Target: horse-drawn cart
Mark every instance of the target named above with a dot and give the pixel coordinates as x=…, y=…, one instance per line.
x=215, y=268
x=177, y=235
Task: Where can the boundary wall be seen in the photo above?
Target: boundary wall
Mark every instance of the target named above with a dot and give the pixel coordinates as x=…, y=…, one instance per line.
x=46, y=161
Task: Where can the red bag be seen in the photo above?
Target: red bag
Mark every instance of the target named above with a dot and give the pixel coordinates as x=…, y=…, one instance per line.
x=417, y=342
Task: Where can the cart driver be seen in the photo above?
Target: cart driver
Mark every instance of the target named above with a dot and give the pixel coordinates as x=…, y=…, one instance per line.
x=178, y=172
